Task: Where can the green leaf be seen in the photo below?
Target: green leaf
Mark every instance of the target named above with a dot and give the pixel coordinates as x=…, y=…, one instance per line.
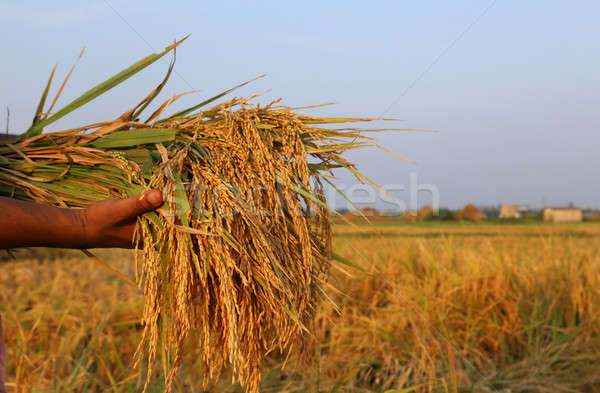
x=40, y=107
x=183, y=209
x=137, y=155
x=183, y=203
x=156, y=91
x=103, y=87
x=136, y=137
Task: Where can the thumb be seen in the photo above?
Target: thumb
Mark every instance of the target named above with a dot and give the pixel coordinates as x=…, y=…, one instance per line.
x=140, y=204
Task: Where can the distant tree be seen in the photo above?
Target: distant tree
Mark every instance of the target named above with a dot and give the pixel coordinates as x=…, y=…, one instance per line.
x=443, y=215
x=470, y=212
x=424, y=213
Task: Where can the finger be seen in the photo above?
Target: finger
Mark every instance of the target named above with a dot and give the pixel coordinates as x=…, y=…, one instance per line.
x=139, y=204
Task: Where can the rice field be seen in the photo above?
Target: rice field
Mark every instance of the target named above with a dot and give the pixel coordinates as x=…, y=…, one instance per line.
x=431, y=307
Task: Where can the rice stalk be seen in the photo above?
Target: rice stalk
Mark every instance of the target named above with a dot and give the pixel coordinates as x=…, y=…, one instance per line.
x=233, y=263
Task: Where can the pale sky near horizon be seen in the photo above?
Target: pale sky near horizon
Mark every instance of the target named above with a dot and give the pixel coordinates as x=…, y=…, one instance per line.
x=511, y=87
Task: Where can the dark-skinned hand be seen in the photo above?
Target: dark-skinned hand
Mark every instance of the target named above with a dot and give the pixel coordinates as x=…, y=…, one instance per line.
x=109, y=223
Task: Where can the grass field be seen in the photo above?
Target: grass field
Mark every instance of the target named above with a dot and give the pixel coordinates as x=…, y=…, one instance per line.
x=437, y=307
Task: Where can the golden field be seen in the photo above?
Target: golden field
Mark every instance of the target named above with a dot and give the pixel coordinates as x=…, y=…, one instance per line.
x=435, y=307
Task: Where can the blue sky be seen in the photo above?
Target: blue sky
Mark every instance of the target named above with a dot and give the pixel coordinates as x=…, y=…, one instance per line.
x=511, y=87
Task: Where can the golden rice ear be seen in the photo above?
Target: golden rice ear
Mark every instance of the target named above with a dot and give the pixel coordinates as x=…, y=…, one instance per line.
x=233, y=264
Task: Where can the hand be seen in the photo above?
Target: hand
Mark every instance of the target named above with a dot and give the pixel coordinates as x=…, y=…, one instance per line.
x=111, y=223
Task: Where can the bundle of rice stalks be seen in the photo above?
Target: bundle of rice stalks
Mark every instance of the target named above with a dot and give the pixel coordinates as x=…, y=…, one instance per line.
x=233, y=264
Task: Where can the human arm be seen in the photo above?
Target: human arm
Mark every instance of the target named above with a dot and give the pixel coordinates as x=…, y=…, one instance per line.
x=109, y=223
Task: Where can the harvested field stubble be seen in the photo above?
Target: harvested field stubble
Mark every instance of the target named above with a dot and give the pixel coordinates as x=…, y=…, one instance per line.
x=440, y=308
x=467, y=307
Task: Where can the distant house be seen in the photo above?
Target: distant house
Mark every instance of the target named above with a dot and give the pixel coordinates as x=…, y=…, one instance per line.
x=523, y=210
x=513, y=211
x=562, y=214
x=509, y=211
